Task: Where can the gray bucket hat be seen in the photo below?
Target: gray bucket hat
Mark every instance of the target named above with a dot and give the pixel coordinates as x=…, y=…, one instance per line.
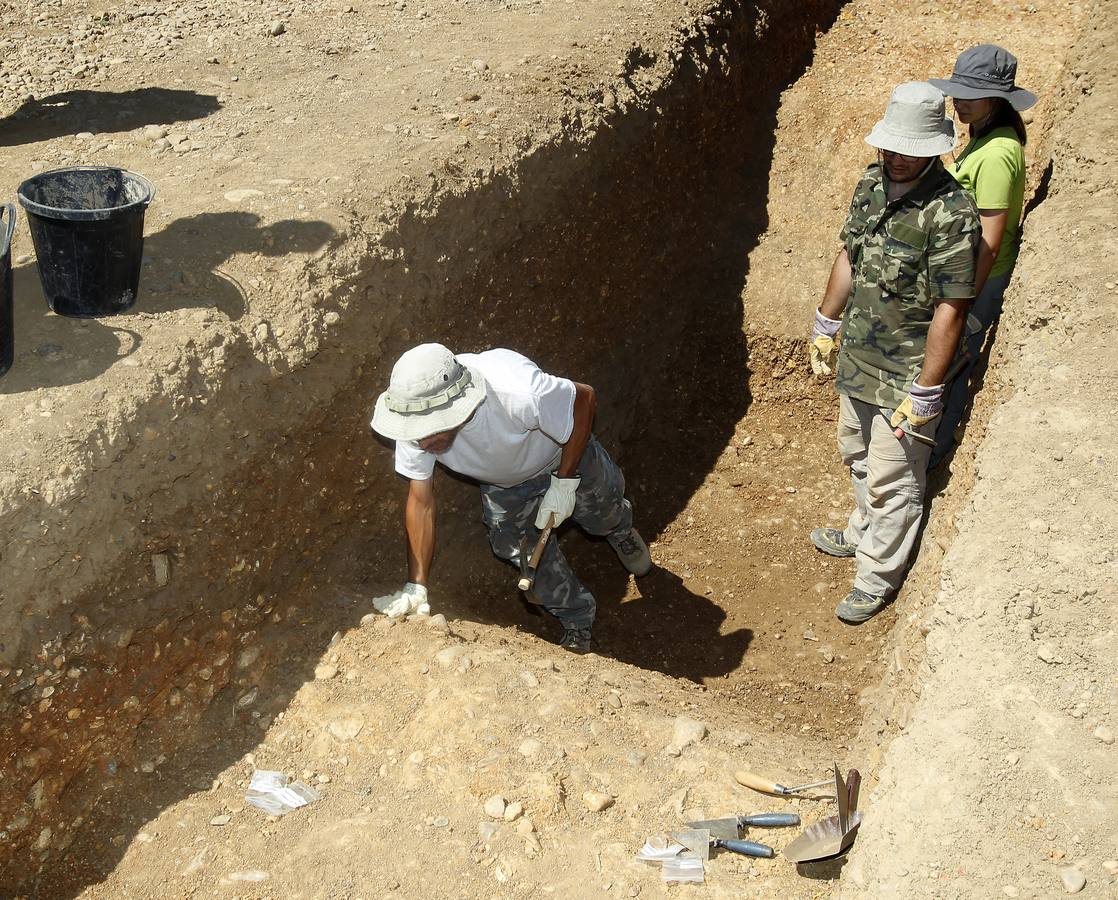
x=986, y=71
x=914, y=123
x=429, y=391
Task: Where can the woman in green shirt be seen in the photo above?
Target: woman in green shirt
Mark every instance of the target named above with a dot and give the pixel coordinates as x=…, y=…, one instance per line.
x=992, y=169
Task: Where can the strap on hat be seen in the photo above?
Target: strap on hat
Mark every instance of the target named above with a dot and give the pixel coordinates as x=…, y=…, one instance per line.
x=425, y=403
x=983, y=82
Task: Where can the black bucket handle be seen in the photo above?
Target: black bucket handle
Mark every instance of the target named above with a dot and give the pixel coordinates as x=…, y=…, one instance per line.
x=6, y=243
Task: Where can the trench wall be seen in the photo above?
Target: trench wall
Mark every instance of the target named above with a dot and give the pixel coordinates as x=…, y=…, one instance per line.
x=613, y=251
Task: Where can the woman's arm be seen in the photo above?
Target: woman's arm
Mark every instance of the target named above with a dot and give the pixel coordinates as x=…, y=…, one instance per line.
x=994, y=222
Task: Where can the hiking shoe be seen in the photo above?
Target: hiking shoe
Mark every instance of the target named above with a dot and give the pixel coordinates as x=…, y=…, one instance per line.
x=577, y=640
x=632, y=551
x=858, y=607
x=831, y=540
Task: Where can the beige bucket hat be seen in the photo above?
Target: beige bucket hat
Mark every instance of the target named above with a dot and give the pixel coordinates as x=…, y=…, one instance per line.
x=429, y=391
x=914, y=122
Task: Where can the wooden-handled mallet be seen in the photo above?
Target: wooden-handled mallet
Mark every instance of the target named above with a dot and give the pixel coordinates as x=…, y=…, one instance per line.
x=528, y=573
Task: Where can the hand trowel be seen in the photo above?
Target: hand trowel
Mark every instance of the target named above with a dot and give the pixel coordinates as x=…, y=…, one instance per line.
x=834, y=834
x=730, y=828
x=701, y=841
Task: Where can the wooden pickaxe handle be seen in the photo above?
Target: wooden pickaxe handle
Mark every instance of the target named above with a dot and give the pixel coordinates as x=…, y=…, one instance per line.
x=525, y=583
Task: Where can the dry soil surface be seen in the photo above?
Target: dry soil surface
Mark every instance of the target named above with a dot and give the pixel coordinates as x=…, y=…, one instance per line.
x=288, y=142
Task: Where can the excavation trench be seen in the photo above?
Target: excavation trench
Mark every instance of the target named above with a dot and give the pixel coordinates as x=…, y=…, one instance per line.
x=616, y=255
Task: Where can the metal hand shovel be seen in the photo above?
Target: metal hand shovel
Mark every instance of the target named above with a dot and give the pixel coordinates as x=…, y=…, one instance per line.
x=834, y=834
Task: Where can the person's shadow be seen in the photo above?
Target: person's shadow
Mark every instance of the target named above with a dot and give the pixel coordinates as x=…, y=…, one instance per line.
x=656, y=622
x=72, y=112
x=181, y=270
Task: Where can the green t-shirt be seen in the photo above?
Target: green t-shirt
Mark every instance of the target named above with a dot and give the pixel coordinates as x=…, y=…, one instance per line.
x=992, y=169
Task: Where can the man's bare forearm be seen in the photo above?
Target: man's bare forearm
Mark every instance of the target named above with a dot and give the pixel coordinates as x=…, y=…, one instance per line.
x=839, y=284
x=943, y=340
x=586, y=404
x=419, y=528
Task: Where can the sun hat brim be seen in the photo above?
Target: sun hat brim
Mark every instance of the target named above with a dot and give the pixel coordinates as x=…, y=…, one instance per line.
x=1018, y=98
x=885, y=138
x=416, y=425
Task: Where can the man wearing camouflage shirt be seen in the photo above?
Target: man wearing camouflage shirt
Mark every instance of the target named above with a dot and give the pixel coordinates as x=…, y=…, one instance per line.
x=900, y=290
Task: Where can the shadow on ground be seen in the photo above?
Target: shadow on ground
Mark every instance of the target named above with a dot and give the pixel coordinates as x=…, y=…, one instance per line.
x=182, y=270
x=74, y=112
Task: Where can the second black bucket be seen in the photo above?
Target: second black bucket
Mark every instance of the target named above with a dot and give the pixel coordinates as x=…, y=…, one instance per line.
x=87, y=223
x=7, y=333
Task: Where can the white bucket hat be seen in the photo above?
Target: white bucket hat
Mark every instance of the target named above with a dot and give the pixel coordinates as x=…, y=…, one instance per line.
x=429, y=391
x=914, y=122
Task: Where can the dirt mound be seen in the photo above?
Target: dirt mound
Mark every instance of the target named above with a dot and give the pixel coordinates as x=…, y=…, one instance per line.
x=410, y=730
x=646, y=198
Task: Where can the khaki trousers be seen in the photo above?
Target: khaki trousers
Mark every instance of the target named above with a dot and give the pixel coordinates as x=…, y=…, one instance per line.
x=889, y=477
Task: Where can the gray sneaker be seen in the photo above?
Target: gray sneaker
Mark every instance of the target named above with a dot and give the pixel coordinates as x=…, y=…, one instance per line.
x=577, y=640
x=832, y=541
x=858, y=607
x=632, y=551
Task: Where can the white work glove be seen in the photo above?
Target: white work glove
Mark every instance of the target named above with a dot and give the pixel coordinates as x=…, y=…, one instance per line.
x=823, y=347
x=559, y=501
x=411, y=598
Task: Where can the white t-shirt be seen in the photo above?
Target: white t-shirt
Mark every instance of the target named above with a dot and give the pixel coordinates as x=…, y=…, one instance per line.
x=515, y=434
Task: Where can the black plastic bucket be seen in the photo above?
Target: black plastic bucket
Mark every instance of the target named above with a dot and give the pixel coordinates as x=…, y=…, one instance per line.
x=87, y=223
x=7, y=333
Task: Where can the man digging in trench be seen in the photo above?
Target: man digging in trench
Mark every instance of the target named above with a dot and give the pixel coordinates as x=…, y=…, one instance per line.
x=905, y=279
x=525, y=437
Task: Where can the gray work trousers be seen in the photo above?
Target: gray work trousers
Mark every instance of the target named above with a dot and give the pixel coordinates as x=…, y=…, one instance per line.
x=889, y=476
x=600, y=509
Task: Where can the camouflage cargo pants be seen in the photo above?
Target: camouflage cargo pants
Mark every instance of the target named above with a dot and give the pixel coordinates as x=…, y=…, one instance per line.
x=889, y=477
x=600, y=509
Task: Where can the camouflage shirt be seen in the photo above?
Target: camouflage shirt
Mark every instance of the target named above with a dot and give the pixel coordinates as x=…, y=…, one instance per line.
x=905, y=256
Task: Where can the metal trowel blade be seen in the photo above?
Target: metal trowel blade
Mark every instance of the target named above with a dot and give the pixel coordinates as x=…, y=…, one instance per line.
x=823, y=839
x=696, y=840
x=723, y=829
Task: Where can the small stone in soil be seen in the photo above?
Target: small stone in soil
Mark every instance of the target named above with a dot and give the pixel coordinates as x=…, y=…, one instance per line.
x=597, y=801
x=1104, y=734
x=1074, y=880
x=688, y=731
x=220, y=820
x=495, y=806
x=529, y=747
